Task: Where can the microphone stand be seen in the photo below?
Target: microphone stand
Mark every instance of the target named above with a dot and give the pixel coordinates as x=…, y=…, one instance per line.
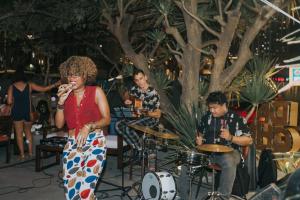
x=112, y=85
x=125, y=189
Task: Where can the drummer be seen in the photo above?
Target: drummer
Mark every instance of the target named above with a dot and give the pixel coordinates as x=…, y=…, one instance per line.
x=150, y=114
x=222, y=126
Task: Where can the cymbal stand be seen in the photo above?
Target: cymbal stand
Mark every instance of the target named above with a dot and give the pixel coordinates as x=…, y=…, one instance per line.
x=125, y=189
x=213, y=195
x=143, y=166
x=191, y=172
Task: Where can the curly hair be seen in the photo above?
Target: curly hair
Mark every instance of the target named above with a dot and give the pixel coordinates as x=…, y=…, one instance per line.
x=78, y=66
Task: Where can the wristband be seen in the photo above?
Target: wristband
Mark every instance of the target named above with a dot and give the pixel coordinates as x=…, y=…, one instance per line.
x=60, y=107
x=89, y=126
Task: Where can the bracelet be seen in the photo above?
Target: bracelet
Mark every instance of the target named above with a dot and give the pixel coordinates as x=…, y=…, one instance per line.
x=89, y=126
x=60, y=107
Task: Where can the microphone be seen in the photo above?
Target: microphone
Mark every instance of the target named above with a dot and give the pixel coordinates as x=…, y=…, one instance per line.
x=119, y=77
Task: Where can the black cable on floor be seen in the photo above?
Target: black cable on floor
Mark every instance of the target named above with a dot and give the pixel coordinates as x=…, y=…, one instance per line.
x=26, y=189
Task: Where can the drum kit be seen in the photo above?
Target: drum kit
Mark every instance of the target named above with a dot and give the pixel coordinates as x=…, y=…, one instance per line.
x=162, y=185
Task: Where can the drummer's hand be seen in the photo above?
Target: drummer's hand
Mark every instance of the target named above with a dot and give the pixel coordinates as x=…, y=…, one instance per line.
x=199, y=140
x=225, y=134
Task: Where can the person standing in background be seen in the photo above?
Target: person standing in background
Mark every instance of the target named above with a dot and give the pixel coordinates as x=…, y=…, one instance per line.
x=19, y=102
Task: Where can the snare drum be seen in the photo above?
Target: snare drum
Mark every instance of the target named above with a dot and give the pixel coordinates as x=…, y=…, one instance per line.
x=159, y=185
x=192, y=157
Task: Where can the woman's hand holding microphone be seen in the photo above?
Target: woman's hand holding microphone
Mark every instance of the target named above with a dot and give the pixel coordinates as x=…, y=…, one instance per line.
x=63, y=92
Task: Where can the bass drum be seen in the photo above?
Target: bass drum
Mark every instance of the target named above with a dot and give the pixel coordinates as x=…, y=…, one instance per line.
x=159, y=185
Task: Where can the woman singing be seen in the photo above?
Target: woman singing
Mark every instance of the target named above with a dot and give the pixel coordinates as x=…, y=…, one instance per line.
x=85, y=110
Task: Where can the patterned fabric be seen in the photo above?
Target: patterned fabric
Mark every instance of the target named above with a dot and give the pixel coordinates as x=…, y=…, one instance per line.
x=131, y=136
x=149, y=97
x=88, y=111
x=210, y=127
x=83, y=166
x=151, y=102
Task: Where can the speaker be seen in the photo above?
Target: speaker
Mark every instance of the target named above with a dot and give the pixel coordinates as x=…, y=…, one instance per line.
x=293, y=186
x=269, y=192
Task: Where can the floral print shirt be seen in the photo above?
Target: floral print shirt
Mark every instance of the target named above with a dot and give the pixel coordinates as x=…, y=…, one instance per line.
x=210, y=128
x=149, y=97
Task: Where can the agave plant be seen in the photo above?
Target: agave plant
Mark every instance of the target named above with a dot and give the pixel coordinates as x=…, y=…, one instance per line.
x=259, y=88
x=162, y=80
x=185, y=124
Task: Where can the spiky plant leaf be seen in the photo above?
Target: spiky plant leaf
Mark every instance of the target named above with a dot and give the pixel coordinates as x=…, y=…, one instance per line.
x=156, y=35
x=259, y=86
x=185, y=123
x=257, y=91
x=162, y=80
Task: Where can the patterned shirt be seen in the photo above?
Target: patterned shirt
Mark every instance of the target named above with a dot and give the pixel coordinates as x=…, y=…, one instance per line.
x=149, y=97
x=210, y=128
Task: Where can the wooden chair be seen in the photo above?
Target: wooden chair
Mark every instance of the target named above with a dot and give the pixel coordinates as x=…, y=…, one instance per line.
x=48, y=149
x=6, y=124
x=116, y=146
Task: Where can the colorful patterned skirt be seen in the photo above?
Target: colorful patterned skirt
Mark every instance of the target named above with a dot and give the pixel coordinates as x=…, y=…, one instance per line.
x=83, y=166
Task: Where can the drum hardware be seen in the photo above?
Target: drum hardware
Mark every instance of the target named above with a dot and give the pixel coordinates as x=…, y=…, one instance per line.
x=146, y=131
x=125, y=190
x=214, y=148
x=191, y=157
x=159, y=186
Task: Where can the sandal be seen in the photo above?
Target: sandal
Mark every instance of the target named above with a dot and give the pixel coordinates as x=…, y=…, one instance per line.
x=21, y=157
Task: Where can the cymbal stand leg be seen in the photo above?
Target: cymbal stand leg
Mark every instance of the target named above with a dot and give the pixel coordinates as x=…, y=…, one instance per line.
x=213, y=195
x=143, y=156
x=190, y=183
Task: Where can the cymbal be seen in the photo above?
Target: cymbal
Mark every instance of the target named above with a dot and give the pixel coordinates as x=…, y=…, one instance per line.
x=170, y=136
x=218, y=148
x=144, y=129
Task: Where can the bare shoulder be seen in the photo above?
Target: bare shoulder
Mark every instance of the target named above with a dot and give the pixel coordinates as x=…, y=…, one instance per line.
x=99, y=92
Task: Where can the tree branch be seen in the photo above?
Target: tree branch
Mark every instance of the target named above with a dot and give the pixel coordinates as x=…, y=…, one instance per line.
x=220, y=18
x=174, y=51
x=128, y=4
x=244, y=53
x=154, y=49
x=176, y=35
x=209, y=43
x=227, y=6
x=200, y=50
x=252, y=9
x=200, y=21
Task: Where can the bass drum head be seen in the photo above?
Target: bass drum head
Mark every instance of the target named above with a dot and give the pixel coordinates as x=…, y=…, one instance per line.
x=158, y=185
x=151, y=186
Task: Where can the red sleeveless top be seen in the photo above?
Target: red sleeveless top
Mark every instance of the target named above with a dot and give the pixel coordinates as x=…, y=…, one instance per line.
x=87, y=112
